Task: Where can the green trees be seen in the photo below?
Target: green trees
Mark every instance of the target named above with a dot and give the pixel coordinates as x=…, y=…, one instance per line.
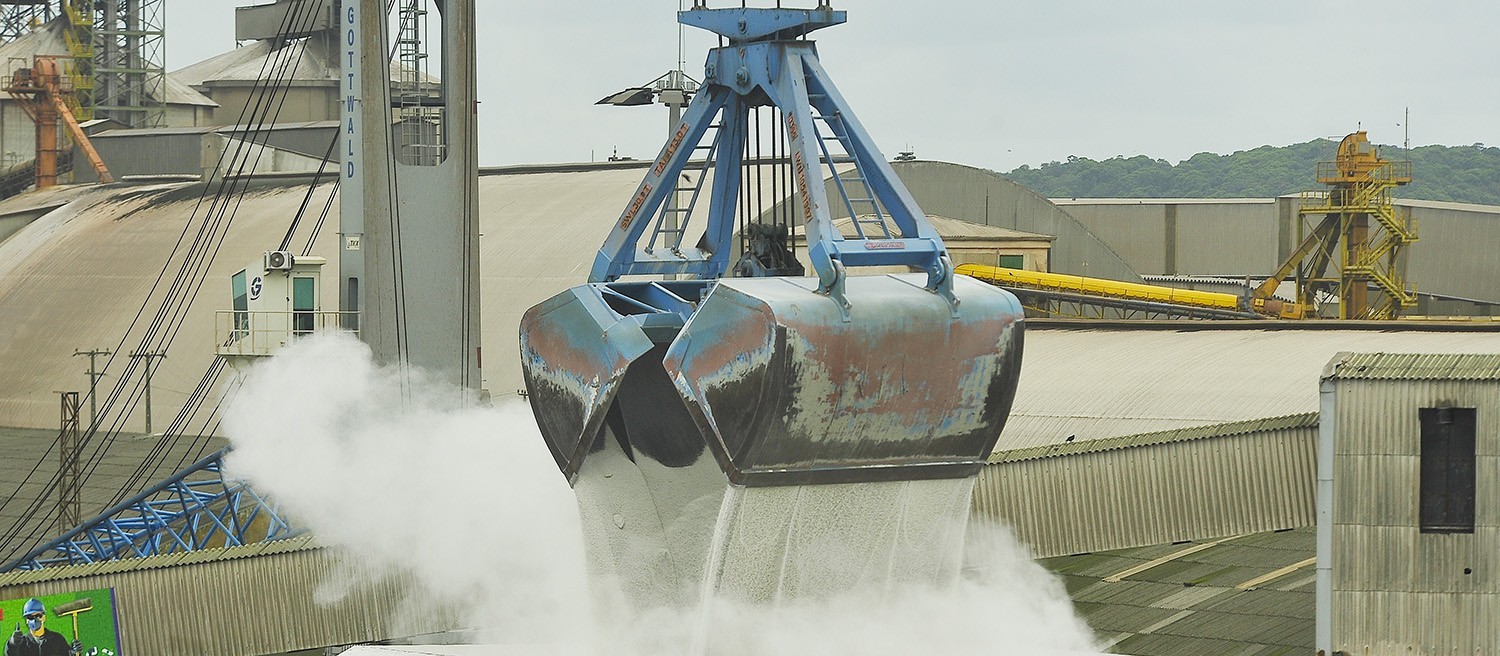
x=1467, y=174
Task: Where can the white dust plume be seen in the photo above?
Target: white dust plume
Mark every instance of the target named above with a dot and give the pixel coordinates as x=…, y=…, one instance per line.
x=467, y=504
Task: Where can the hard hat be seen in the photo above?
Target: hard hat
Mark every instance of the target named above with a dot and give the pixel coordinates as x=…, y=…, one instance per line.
x=33, y=606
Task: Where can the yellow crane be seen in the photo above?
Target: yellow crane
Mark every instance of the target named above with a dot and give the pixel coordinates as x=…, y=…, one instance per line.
x=1362, y=227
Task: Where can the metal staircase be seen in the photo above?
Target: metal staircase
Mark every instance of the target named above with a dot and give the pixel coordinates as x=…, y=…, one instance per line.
x=1372, y=259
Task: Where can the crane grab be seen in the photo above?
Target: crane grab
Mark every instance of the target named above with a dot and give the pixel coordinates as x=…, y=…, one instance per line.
x=768, y=381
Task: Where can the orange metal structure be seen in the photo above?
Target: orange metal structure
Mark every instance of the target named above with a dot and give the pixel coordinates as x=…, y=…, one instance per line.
x=40, y=91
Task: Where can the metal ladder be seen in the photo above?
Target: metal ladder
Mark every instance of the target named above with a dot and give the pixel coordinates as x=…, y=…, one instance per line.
x=876, y=223
x=672, y=219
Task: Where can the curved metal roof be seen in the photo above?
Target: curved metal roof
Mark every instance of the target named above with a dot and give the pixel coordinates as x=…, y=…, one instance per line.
x=1083, y=383
x=48, y=40
x=74, y=279
x=88, y=264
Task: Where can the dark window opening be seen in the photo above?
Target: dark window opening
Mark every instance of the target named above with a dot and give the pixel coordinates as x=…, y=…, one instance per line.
x=1447, y=476
x=1013, y=261
x=303, y=305
x=351, y=320
x=241, y=306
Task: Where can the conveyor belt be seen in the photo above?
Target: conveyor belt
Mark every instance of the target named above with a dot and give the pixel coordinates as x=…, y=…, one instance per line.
x=1125, y=297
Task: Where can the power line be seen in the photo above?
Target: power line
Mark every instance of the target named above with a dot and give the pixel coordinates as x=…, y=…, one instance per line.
x=205, y=245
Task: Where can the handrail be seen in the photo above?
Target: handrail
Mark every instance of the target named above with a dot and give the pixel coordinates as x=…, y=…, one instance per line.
x=260, y=333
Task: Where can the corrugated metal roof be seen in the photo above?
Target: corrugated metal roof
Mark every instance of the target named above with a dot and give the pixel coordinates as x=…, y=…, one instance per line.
x=1097, y=384
x=1493, y=210
x=48, y=40
x=289, y=545
x=1193, y=604
x=1303, y=420
x=540, y=233
x=1417, y=366
x=20, y=450
x=315, y=60
x=163, y=610
x=1192, y=485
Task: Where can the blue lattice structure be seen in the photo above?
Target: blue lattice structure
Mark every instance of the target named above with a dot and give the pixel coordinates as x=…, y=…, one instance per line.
x=197, y=508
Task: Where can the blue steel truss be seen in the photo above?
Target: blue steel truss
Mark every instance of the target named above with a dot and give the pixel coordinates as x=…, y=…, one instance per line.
x=197, y=508
x=768, y=62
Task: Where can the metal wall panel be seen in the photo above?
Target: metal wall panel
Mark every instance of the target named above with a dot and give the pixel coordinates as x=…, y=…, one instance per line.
x=129, y=154
x=1246, y=237
x=1226, y=239
x=981, y=196
x=1136, y=232
x=17, y=134
x=1456, y=254
x=1154, y=494
x=248, y=605
x=1391, y=623
x=1394, y=588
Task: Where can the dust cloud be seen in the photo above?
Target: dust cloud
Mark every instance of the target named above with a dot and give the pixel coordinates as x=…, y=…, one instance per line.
x=417, y=488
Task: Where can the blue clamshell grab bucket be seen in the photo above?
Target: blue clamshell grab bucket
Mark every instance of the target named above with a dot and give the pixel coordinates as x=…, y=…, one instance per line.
x=769, y=378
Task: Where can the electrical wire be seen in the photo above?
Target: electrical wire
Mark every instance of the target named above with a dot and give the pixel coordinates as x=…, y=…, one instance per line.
x=194, y=265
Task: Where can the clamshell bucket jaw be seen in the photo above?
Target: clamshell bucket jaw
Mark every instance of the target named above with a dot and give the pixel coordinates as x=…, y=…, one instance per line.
x=787, y=392
x=575, y=351
x=778, y=385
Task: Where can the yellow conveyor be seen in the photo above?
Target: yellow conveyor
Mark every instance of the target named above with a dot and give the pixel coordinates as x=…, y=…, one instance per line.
x=1058, y=282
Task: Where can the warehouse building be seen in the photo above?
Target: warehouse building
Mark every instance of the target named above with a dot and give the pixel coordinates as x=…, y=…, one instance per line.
x=1408, y=529
x=1239, y=238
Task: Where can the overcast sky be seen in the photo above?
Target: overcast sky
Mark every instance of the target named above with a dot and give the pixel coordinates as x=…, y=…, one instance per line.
x=998, y=85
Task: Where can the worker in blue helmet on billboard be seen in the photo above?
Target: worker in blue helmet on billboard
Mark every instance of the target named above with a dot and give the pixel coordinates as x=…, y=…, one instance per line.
x=36, y=639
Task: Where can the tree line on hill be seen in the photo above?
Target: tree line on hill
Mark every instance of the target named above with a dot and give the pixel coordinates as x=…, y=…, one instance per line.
x=1465, y=174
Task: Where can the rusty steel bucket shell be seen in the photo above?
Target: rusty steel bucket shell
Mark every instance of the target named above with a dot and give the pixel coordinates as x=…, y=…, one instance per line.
x=574, y=352
x=787, y=392
x=781, y=388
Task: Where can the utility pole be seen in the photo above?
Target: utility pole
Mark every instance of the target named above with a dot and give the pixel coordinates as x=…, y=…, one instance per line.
x=150, y=359
x=1406, y=141
x=94, y=376
x=68, y=506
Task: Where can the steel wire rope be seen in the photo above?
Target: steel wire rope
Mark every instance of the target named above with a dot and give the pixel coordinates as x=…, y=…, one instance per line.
x=323, y=216
x=224, y=217
x=158, y=454
x=286, y=241
x=187, y=413
x=215, y=369
x=259, y=90
x=204, y=437
x=148, y=466
x=141, y=310
x=123, y=380
x=393, y=222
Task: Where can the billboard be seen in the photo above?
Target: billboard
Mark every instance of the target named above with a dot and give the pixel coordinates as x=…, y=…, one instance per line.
x=87, y=617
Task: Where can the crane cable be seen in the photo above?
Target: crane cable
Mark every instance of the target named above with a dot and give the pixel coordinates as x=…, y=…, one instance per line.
x=158, y=454
x=194, y=265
